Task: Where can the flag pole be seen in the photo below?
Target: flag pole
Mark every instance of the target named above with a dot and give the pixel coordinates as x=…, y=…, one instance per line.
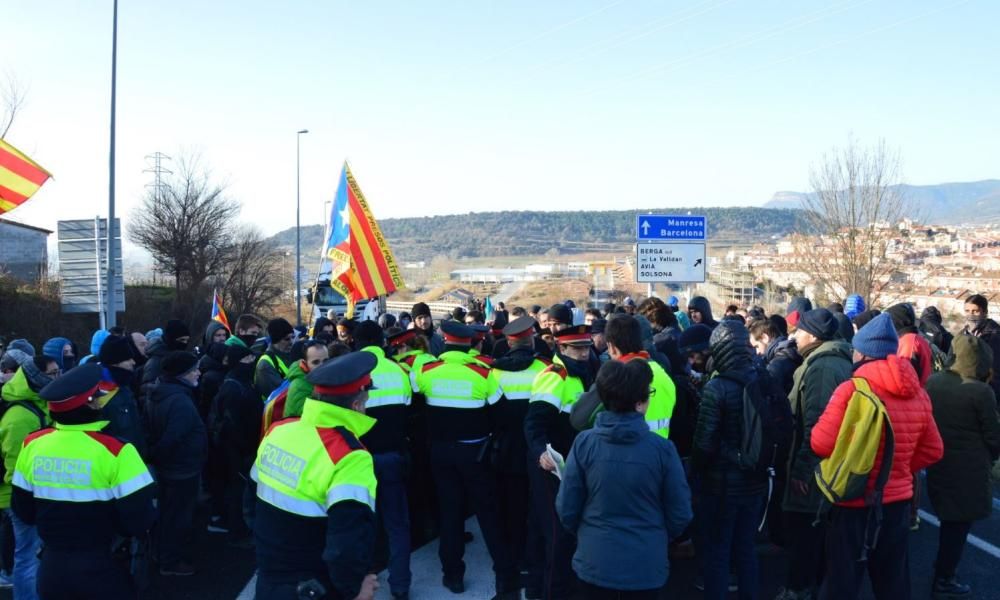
x=110, y=294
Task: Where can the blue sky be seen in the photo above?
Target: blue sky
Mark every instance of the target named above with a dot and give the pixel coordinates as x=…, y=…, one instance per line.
x=451, y=107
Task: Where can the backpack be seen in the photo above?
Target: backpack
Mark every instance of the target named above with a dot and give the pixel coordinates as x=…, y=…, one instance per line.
x=844, y=474
x=30, y=407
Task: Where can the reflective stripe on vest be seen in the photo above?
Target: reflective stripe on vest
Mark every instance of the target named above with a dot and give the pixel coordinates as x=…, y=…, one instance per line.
x=454, y=402
x=348, y=491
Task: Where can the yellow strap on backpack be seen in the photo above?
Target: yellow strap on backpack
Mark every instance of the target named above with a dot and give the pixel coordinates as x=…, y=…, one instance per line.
x=844, y=474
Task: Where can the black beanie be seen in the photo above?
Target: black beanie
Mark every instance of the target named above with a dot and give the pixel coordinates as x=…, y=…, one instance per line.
x=560, y=313
x=820, y=322
x=175, y=329
x=278, y=329
x=178, y=363
x=420, y=309
x=235, y=353
x=115, y=349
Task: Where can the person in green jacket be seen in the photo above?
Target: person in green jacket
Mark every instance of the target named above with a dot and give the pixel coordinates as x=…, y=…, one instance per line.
x=30, y=413
x=827, y=362
x=299, y=388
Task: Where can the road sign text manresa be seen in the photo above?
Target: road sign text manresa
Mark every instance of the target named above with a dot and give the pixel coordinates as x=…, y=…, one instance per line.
x=671, y=228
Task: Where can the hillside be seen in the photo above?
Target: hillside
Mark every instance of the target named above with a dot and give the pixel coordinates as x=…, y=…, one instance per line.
x=529, y=232
x=943, y=204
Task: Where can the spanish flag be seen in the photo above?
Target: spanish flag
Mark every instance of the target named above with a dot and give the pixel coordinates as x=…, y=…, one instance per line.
x=362, y=264
x=20, y=177
x=218, y=314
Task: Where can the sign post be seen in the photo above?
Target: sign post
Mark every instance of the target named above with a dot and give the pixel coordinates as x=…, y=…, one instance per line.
x=670, y=249
x=83, y=253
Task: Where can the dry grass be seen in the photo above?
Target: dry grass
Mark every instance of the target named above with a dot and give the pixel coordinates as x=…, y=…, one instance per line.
x=547, y=293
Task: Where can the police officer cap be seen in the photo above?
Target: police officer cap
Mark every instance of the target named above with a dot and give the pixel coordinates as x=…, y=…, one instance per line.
x=74, y=388
x=344, y=375
x=398, y=338
x=457, y=333
x=479, y=331
x=520, y=327
x=578, y=335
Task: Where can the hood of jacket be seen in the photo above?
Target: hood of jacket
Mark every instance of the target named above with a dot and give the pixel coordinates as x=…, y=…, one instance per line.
x=893, y=375
x=621, y=428
x=53, y=348
x=19, y=390
x=973, y=357
x=834, y=348
x=210, y=363
x=97, y=339
x=168, y=387
x=702, y=305
x=157, y=348
x=730, y=347
x=518, y=359
x=210, y=330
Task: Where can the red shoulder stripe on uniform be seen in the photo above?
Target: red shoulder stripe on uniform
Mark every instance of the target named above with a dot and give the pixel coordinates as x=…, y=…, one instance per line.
x=544, y=361
x=431, y=365
x=554, y=368
x=37, y=434
x=282, y=422
x=409, y=360
x=486, y=360
x=338, y=442
x=482, y=370
x=113, y=444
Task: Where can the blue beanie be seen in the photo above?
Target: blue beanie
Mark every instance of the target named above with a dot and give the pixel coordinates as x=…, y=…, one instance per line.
x=854, y=306
x=695, y=338
x=673, y=301
x=23, y=345
x=95, y=342
x=877, y=339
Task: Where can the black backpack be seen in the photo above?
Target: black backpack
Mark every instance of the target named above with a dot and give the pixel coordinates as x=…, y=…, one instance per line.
x=763, y=428
x=30, y=407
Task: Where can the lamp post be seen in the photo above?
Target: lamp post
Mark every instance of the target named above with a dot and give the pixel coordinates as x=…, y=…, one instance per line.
x=298, y=231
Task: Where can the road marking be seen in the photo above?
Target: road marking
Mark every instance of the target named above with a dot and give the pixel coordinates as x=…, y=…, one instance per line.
x=972, y=540
x=248, y=591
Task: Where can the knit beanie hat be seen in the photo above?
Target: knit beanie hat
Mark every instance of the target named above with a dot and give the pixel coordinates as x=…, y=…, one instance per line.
x=865, y=317
x=23, y=345
x=178, y=363
x=560, y=313
x=800, y=304
x=420, y=309
x=695, y=338
x=878, y=338
x=278, y=329
x=175, y=330
x=854, y=306
x=114, y=350
x=820, y=322
x=235, y=353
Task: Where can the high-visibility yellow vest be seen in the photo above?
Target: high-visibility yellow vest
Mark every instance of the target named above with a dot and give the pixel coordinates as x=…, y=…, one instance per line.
x=304, y=466
x=457, y=380
x=78, y=463
x=516, y=385
x=662, y=398
x=392, y=384
x=555, y=386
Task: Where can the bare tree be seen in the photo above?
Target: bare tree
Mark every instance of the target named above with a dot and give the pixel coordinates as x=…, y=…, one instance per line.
x=186, y=224
x=251, y=280
x=11, y=101
x=852, y=215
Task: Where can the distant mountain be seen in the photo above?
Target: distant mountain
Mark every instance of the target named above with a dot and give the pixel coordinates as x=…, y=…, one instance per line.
x=941, y=204
x=513, y=233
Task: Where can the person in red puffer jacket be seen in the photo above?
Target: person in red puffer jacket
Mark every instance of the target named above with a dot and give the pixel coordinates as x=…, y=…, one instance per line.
x=918, y=445
x=913, y=346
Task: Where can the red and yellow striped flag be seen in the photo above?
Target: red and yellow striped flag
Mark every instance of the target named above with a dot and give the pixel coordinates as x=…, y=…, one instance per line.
x=20, y=177
x=362, y=264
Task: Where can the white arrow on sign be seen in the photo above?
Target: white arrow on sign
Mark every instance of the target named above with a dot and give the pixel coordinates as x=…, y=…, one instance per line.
x=645, y=228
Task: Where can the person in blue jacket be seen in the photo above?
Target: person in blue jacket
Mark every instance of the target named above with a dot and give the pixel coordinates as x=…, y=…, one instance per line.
x=623, y=492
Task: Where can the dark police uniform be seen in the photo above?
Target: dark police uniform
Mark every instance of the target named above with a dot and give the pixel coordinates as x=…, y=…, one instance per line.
x=460, y=392
x=553, y=393
x=315, y=521
x=81, y=488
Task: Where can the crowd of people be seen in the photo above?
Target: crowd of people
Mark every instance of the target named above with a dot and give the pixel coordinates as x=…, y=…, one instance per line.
x=592, y=446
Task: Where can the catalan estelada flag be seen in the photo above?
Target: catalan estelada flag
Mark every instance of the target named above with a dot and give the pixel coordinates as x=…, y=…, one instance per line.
x=20, y=177
x=218, y=314
x=361, y=263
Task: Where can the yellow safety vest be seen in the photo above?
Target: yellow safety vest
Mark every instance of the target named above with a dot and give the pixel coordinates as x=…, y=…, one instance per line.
x=516, y=385
x=304, y=466
x=457, y=380
x=663, y=398
x=555, y=386
x=78, y=463
x=392, y=384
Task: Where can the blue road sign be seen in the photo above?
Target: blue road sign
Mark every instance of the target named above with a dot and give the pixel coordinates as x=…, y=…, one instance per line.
x=671, y=228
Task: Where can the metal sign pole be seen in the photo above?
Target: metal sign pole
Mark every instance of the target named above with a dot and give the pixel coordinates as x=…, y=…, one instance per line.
x=97, y=264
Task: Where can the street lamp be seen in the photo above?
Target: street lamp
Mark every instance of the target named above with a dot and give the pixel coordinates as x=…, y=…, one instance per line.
x=298, y=232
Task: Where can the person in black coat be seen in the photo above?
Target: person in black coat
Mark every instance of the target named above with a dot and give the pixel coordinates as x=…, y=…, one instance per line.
x=732, y=498
x=212, y=374
x=177, y=449
x=121, y=410
x=234, y=424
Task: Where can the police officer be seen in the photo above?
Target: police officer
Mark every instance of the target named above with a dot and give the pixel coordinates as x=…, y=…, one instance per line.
x=460, y=392
x=516, y=371
x=315, y=517
x=80, y=488
x=553, y=394
x=407, y=350
x=387, y=404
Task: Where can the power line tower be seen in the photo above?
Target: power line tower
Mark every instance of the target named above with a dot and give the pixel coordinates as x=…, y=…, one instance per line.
x=156, y=161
